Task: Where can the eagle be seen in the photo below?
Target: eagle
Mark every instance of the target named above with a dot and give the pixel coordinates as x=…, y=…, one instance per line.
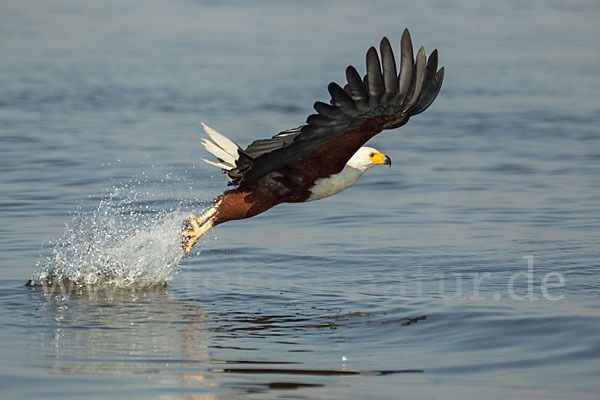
x=326, y=155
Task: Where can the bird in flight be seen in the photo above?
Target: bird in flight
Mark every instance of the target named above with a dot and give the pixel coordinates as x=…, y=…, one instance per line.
x=326, y=155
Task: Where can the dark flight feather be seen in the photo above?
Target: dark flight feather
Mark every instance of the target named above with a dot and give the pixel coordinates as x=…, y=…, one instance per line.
x=357, y=89
x=430, y=94
x=390, y=79
x=374, y=77
x=328, y=111
x=340, y=99
x=405, y=77
x=418, y=81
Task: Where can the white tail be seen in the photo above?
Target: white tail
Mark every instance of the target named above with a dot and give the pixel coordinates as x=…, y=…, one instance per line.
x=224, y=149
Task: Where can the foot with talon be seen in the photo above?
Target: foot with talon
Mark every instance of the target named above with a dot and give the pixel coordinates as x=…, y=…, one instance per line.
x=194, y=228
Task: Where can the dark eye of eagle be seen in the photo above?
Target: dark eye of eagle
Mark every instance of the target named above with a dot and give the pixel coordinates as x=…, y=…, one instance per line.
x=372, y=155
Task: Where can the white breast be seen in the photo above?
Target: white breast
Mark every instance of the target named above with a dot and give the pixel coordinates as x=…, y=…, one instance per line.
x=326, y=187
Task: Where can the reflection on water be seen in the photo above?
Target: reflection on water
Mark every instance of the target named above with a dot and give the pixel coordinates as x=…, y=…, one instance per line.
x=114, y=331
x=124, y=332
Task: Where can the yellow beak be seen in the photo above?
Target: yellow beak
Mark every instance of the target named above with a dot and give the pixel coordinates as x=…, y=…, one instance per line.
x=380, y=158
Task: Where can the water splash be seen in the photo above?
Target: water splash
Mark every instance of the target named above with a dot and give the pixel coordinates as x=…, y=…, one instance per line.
x=123, y=242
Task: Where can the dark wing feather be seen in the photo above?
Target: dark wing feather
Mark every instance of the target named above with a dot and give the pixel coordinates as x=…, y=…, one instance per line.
x=374, y=78
x=264, y=146
x=328, y=111
x=356, y=89
x=362, y=109
x=390, y=79
x=420, y=71
x=340, y=99
x=430, y=93
x=405, y=77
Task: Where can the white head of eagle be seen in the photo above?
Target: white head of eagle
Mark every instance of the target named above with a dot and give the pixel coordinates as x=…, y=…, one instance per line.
x=362, y=160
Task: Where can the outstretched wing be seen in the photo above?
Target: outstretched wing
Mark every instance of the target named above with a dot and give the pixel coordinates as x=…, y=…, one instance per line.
x=381, y=100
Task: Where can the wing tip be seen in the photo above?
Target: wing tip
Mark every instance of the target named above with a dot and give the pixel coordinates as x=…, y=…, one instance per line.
x=406, y=39
x=385, y=42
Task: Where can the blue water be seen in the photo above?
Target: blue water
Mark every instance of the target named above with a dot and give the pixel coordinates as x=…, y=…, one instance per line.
x=468, y=270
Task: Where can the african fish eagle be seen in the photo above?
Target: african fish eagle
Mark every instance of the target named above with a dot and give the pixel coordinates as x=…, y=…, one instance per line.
x=325, y=156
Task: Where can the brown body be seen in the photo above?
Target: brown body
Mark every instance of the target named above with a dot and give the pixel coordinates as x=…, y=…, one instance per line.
x=271, y=190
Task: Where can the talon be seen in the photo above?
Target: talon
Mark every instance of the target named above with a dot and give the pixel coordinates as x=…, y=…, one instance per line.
x=189, y=237
x=190, y=242
x=187, y=224
x=194, y=228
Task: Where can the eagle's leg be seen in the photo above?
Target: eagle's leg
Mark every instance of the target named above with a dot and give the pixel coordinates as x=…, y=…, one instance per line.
x=195, y=227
